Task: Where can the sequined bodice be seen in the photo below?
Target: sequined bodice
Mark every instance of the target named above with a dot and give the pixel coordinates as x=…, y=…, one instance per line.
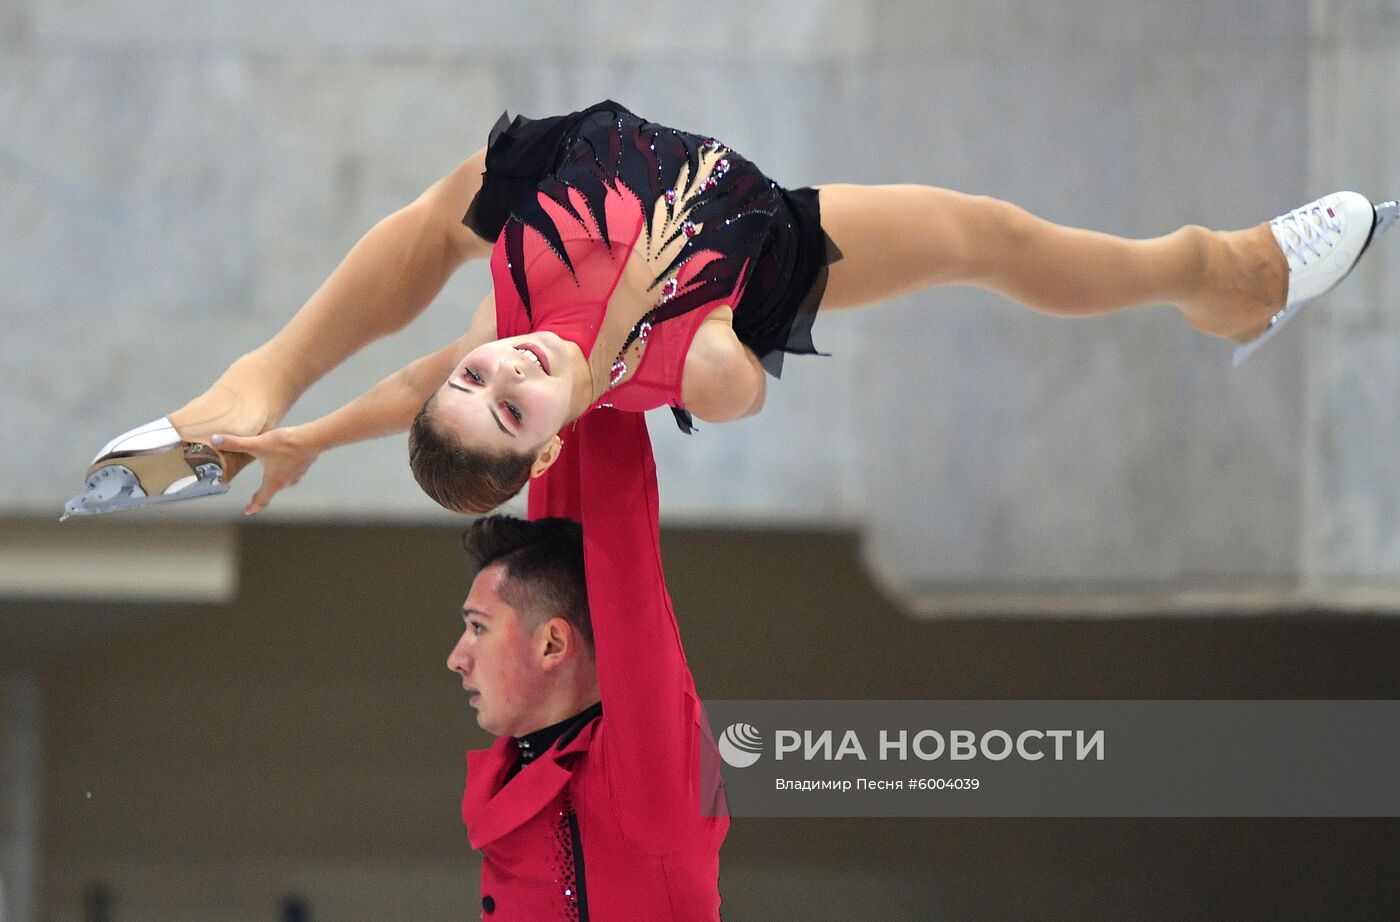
x=638, y=234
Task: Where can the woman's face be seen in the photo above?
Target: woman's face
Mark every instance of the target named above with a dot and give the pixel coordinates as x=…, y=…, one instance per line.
x=509, y=395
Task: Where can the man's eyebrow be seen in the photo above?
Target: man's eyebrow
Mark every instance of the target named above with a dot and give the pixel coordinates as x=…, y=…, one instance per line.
x=469, y=612
x=499, y=425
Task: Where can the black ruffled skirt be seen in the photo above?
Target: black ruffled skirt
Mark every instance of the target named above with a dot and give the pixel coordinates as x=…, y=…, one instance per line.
x=786, y=277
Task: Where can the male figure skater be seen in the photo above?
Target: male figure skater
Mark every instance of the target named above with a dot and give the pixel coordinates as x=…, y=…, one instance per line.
x=587, y=806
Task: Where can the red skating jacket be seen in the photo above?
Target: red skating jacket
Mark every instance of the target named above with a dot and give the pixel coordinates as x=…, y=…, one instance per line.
x=607, y=826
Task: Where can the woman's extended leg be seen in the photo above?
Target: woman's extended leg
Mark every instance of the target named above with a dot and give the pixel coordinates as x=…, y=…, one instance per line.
x=898, y=239
x=386, y=280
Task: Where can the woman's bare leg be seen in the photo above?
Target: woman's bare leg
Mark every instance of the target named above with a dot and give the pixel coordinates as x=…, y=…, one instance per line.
x=387, y=279
x=899, y=239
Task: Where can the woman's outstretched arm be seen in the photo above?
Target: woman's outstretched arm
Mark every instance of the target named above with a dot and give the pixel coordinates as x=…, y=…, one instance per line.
x=385, y=409
x=388, y=278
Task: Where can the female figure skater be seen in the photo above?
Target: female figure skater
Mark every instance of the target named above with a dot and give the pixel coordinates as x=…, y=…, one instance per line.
x=636, y=266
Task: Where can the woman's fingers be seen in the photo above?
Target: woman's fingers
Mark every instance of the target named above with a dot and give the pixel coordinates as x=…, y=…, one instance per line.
x=236, y=452
x=244, y=443
x=283, y=456
x=261, y=498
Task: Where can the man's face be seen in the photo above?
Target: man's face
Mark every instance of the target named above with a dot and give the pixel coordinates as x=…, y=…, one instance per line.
x=500, y=665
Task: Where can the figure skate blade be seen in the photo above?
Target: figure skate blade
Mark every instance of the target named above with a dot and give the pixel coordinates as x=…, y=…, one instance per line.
x=148, y=465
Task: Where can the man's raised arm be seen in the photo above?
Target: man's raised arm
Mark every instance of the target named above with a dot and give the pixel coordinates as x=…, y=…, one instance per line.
x=606, y=478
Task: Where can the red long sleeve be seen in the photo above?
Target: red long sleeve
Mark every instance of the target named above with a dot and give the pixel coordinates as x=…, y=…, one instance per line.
x=606, y=478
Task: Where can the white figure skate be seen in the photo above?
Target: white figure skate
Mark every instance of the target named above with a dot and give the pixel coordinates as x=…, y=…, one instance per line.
x=1323, y=241
x=147, y=465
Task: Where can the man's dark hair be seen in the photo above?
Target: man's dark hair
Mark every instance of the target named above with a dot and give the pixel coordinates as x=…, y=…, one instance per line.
x=543, y=563
x=459, y=478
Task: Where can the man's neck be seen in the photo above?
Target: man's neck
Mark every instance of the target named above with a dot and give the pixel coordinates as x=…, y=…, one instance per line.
x=556, y=712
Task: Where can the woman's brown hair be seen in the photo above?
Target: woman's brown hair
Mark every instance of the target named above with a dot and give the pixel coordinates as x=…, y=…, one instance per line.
x=458, y=478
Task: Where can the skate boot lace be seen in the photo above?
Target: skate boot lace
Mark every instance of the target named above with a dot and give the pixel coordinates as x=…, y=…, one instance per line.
x=1307, y=230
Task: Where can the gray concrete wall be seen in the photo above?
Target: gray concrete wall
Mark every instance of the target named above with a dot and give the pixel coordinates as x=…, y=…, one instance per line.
x=179, y=178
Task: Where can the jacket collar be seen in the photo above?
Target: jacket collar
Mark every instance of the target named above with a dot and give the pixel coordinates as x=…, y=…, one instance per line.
x=491, y=810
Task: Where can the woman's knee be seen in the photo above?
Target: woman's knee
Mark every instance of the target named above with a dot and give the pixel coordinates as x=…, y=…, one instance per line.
x=998, y=231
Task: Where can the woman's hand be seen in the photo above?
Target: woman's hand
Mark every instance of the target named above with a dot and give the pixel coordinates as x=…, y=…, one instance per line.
x=286, y=455
x=248, y=399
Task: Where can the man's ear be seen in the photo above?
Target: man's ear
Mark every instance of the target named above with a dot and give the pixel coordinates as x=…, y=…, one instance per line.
x=558, y=636
x=547, y=456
